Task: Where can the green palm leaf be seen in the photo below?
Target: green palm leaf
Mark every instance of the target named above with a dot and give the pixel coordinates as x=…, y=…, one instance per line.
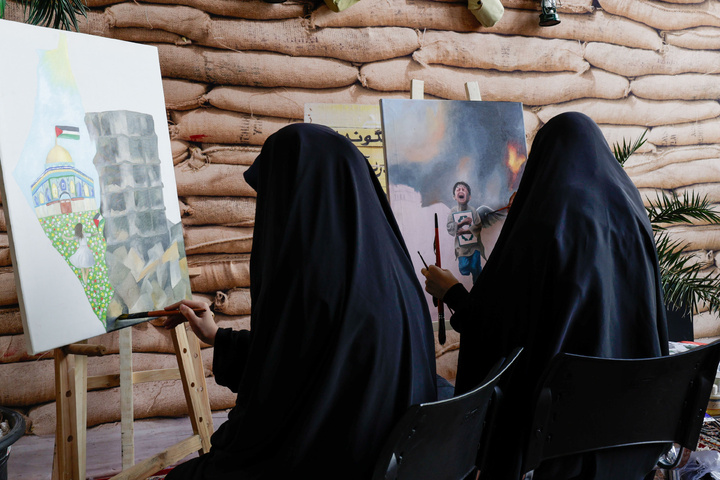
x=623, y=152
x=670, y=209
x=61, y=14
x=683, y=283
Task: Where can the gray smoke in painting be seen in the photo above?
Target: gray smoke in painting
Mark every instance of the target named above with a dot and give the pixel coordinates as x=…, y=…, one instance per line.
x=144, y=248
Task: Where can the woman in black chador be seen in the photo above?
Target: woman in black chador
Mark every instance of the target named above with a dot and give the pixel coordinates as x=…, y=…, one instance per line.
x=341, y=340
x=574, y=270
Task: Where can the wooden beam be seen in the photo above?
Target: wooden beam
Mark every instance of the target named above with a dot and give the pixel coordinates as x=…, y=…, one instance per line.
x=161, y=460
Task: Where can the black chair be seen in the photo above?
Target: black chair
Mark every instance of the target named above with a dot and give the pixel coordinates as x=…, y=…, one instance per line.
x=586, y=404
x=440, y=440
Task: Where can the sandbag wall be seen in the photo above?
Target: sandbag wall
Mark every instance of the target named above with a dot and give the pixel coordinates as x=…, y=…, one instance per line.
x=236, y=71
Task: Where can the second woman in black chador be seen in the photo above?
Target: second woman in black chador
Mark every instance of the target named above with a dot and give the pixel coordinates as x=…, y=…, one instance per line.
x=574, y=270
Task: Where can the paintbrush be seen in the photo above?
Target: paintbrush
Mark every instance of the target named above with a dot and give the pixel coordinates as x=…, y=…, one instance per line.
x=155, y=313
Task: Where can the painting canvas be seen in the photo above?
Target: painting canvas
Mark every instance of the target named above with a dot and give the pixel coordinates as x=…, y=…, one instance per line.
x=88, y=183
x=361, y=124
x=460, y=161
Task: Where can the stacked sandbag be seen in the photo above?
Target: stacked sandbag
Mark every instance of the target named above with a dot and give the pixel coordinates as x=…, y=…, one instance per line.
x=234, y=72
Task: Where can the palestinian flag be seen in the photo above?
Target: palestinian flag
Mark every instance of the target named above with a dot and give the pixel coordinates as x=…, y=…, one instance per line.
x=62, y=131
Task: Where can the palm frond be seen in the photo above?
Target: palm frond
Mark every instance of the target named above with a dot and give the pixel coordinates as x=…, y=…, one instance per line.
x=622, y=153
x=670, y=209
x=684, y=283
x=61, y=14
x=2, y=8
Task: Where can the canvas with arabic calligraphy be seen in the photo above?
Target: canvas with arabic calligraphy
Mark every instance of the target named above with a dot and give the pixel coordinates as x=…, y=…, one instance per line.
x=358, y=123
x=430, y=146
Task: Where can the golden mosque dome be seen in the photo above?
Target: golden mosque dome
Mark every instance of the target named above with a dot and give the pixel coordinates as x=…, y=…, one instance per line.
x=58, y=154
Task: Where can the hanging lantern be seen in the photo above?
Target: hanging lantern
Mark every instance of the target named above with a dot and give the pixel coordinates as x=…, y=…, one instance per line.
x=548, y=16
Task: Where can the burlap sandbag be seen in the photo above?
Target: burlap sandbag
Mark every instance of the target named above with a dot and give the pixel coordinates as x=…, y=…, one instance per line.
x=636, y=111
x=233, y=302
x=260, y=69
x=566, y=6
x=94, y=24
x=5, y=257
x=292, y=37
x=42, y=387
x=532, y=125
x=186, y=21
x=101, y=3
x=680, y=174
x=640, y=163
x=218, y=239
x=230, y=211
x=706, y=132
x=183, y=95
x=501, y=52
x=5, y=260
x=10, y=321
x=711, y=191
x=214, y=180
x=704, y=237
x=252, y=9
x=149, y=338
x=636, y=62
x=615, y=134
x=12, y=349
x=598, y=27
x=700, y=38
x=705, y=325
x=8, y=290
x=221, y=126
x=143, y=35
x=229, y=154
x=705, y=259
x=152, y=399
x=3, y=225
x=180, y=150
x=219, y=272
x=689, y=86
x=290, y=102
x=528, y=88
x=446, y=365
x=665, y=16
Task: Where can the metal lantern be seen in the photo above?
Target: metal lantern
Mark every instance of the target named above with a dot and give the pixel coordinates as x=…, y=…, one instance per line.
x=548, y=16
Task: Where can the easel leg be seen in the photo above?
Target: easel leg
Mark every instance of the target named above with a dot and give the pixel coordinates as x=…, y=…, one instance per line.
x=66, y=462
x=127, y=413
x=187, y=349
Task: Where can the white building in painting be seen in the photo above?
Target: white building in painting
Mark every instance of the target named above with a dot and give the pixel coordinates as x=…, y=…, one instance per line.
x=62, y=188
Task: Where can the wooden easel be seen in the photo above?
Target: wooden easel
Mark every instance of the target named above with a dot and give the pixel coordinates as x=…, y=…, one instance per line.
x=72, y=384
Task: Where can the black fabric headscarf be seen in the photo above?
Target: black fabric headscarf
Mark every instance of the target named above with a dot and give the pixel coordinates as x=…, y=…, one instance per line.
x=341, y=340
x=574, y=270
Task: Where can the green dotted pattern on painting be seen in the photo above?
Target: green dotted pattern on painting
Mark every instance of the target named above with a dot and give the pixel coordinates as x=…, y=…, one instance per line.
x=60, y=229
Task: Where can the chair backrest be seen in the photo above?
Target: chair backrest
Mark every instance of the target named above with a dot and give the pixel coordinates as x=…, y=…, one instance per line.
x=439, y=440
x=586, y=403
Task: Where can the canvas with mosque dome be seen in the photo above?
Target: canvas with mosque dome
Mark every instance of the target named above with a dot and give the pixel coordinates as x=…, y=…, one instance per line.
x=88, y=183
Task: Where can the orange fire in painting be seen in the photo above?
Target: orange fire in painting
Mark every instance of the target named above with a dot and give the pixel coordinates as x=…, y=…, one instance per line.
x=514, y=159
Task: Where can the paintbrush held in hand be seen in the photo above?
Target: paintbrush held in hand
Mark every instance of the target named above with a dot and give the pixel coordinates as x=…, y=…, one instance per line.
x=155, y=313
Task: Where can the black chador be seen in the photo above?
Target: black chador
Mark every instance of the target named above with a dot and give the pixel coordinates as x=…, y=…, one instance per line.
x=341, y=340
x=574, y=270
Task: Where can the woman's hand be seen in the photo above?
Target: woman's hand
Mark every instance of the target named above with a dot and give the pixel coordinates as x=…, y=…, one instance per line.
x=203, y=326
x=438, y=281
